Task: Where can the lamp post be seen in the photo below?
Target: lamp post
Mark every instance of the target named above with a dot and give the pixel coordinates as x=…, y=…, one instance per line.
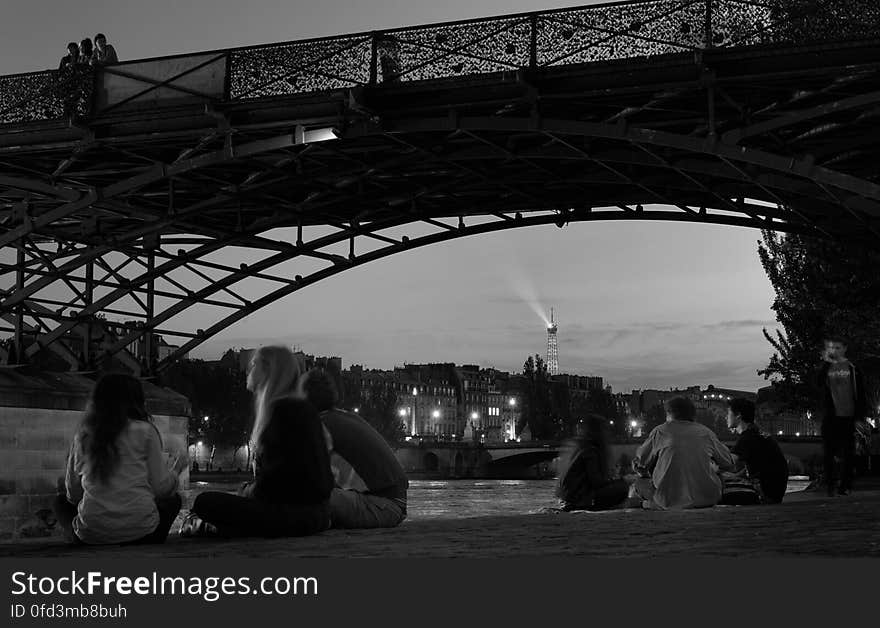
x=415, y=392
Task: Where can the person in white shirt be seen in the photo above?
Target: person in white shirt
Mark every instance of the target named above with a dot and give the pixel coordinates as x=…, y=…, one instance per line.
x=683, y=458
x=119, y=486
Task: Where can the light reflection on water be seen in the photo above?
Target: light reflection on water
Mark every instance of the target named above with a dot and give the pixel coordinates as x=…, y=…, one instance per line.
x=460, y=499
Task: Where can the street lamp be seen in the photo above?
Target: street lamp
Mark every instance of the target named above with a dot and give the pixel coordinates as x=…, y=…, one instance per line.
x=415, y=393
x=511, y=402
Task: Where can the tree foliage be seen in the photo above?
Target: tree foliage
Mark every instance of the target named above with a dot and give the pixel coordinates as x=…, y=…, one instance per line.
x=822, y=287
x=378, y=406
x=536, y=399
x=216, y=390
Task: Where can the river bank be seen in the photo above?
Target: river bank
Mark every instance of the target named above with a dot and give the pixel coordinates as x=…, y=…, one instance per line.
x=806, y=524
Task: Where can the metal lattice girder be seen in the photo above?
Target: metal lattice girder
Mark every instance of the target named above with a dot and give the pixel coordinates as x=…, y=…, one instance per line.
x=745, y=115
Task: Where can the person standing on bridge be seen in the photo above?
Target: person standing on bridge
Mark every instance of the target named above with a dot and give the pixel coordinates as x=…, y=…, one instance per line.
x=290, y=493
x=683, y=458
x=841, y=401
x=86, y=50
x=104, y=53
x=71, y=58
x=371, y=486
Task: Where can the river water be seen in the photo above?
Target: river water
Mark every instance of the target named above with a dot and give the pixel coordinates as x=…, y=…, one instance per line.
x=460, y=499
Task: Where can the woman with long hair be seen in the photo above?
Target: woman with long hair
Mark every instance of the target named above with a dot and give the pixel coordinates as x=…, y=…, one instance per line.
x=290, y=492
x=118, y=485
x=586, y=480
x=86, y=50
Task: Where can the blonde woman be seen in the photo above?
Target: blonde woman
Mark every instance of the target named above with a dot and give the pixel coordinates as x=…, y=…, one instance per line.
x=292, y=478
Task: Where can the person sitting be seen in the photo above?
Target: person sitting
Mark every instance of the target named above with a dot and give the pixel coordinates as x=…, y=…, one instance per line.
x=585, y=481
x=118, y=486
x=371, y=486
x=104, y=53
x=86, y=51
x=682, y=458
x=71, y=58
x=758, y=457
x=290, y=493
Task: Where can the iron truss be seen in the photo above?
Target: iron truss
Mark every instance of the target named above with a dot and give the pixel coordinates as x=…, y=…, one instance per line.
x=128, y=220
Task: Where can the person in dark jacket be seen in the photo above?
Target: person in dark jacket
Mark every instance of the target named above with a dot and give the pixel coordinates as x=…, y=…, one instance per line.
x=841, y=401
x=371, y=485
x=585, y=481
x=104, y=53
x=757, y=456
x=290, y=493
x=71, y=58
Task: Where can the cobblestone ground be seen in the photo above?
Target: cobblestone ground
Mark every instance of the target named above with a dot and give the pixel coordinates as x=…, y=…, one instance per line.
x=808, y=524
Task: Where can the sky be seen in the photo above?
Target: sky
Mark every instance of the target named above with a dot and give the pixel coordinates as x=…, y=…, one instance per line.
x=642, y=304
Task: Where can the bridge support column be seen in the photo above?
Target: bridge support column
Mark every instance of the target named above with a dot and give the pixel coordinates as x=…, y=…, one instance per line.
x=88, y=294
x=18, y=342
x=150, y=336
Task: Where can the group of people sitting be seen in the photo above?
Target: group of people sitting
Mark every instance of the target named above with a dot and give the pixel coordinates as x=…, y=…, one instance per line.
x=86, y=54
x=681, y=464
x=314, y=466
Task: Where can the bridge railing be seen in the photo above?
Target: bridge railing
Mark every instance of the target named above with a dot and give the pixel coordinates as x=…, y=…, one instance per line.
x=596, y=33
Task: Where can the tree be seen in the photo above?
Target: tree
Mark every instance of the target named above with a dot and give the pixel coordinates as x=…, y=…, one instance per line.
x=378, y=407
x=822, y=287
x=536, y=399
x=216, y=390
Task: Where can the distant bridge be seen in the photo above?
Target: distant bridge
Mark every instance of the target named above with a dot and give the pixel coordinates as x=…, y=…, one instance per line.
x=206, y=186
x=520, y=460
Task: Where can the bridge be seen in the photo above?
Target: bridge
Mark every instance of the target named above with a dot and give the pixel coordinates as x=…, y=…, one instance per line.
x=206, y=186
x=520, y=460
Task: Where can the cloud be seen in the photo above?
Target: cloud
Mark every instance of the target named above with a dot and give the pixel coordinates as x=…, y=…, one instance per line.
x=741, y=324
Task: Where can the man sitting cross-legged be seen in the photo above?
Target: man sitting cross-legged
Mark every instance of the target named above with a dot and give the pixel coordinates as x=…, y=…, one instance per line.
x=682, y=458
x=758, y=457
x=371, y=485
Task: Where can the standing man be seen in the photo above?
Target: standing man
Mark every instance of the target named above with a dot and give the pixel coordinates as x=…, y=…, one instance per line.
x=371, y=485
x=841, y=402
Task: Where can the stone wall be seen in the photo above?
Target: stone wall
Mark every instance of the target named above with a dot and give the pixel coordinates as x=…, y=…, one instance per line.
x=39, y=414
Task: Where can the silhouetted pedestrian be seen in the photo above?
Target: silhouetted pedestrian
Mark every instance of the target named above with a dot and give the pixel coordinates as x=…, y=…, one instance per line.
x=71, y=58
x=86, y=50
x=841, y=402
x=104, y=53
